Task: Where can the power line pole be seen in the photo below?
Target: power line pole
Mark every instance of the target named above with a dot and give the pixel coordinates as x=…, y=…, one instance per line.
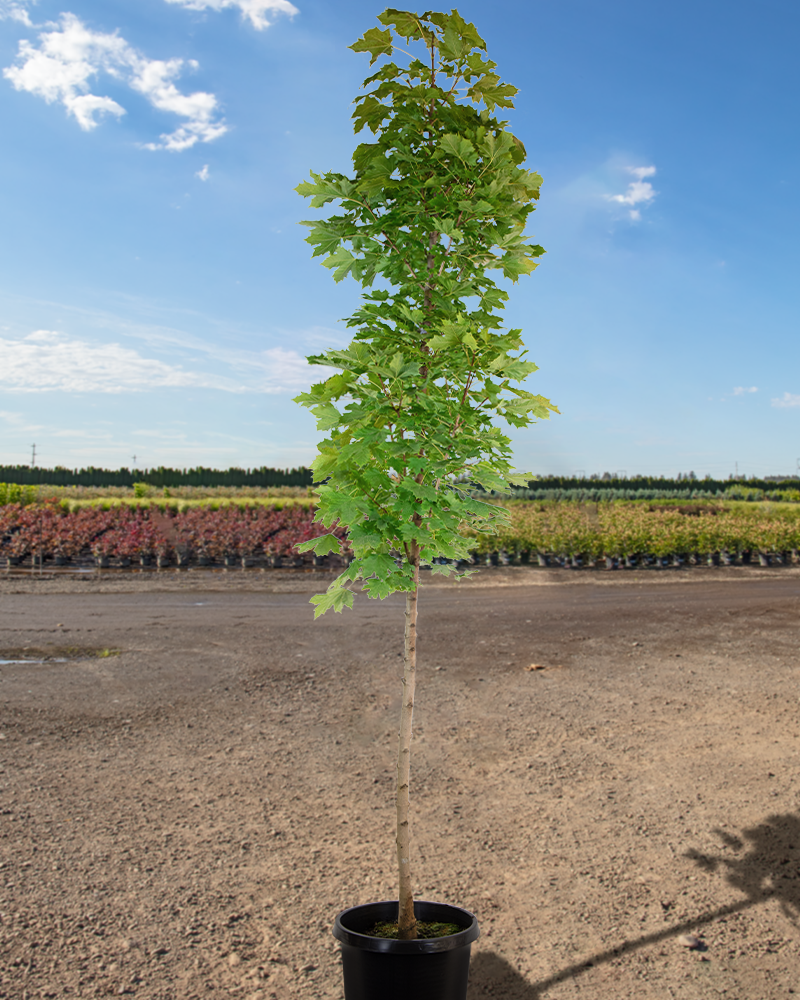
x=33, y=457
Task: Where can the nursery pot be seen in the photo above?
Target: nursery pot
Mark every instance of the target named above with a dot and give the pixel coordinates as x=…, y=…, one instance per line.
x=422, y=969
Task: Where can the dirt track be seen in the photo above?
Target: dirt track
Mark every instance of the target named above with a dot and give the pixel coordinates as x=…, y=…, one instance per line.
x=184, y=819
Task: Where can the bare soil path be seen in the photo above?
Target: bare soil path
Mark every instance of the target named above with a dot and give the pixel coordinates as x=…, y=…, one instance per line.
x=182, y=819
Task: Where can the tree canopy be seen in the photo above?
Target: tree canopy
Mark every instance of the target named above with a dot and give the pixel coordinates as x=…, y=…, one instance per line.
x=434, y=213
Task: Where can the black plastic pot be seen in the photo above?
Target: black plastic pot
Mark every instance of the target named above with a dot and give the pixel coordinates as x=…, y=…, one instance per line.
x=423, y=969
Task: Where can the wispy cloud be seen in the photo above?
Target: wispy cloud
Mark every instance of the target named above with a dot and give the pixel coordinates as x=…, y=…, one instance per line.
x=255, y=11
x=786, y=401
x=18, y=421
x=639, y=191
x=203, y=173
x=16, y=10
x=71, y=55
x=47, y=361
x=742, y=390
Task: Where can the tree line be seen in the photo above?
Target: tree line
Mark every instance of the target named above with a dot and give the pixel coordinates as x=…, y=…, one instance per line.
x=160, y=476
x=26, y=475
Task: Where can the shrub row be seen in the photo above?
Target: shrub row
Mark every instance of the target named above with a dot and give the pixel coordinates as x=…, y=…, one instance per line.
x=224, y=531
x=619, y=530
x=123, y=534
x=602, y=495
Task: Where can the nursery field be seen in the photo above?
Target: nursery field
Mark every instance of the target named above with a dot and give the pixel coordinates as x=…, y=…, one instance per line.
x=197, y=777
x=264, y=531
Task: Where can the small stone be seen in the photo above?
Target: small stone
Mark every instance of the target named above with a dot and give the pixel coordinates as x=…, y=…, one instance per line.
x=690, y=941
x=234, y=960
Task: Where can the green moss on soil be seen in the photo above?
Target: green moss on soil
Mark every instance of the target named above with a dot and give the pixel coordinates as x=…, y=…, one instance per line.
x=425, y=929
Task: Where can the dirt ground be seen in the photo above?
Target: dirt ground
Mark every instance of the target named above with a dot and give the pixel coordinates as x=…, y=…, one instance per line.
x=182, y=819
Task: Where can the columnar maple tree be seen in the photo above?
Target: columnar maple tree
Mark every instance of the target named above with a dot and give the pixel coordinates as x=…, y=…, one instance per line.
x=438, y=202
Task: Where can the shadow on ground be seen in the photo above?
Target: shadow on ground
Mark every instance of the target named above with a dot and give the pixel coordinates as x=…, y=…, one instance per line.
x=764, y=864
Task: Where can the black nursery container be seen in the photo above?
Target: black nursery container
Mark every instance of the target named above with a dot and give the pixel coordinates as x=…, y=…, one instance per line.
x=423, y=969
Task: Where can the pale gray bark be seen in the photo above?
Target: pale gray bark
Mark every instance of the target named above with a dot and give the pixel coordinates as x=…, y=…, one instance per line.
x=406, y=921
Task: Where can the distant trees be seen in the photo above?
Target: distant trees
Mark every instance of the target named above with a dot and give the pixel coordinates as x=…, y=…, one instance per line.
x=59, y=476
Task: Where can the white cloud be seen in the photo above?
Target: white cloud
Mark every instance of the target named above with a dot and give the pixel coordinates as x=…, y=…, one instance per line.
x=287, y=371
x=47, y=361
x=639, y=191
x=254, y=10
x=71, y=55
x=16, y=10
x=740, y=390
x=203, y=173
x=786, y=401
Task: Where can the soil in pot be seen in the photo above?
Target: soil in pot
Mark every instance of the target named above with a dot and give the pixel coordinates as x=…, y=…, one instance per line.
x=425, y=929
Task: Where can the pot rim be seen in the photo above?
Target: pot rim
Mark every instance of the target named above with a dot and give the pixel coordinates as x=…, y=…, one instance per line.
x=419, y=946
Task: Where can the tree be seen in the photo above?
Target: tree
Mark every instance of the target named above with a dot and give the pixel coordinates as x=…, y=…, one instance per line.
x=438, y=200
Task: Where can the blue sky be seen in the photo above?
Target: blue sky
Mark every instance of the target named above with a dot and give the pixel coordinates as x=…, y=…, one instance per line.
x=157, y=297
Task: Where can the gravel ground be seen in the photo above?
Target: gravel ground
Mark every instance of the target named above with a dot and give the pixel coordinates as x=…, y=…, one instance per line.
x=181, y=819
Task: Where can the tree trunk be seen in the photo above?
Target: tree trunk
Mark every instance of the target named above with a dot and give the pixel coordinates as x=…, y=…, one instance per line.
x=406, y=921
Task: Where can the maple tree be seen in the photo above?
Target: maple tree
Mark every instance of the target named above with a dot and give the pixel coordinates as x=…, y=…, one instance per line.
x=437, y=206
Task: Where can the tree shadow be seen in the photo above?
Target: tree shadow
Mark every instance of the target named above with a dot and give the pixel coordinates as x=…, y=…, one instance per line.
x=768, y=869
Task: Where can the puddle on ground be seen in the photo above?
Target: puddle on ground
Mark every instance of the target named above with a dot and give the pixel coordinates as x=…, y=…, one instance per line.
x=22, y=655
x=60, y=659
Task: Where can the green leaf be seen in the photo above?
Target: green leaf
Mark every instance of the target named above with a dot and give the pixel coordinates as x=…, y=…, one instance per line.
x=337, y=599
x=406, y=24
x=493, y=93
x=327, y=416
x=458, y=146
x=321, y=545
x=341, y=262
x=520, y=478
x=376, y=42
x=513, y=367
x=324, y=189
x=369, y=112
x=396, y=364
x=323, y=238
